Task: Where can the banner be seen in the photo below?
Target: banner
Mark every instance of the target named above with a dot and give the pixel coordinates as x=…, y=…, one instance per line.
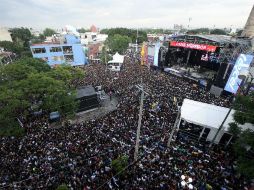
x=144, y=54
x=202, y=47
x=150, y=54
x=156, y=54
x=242, y=64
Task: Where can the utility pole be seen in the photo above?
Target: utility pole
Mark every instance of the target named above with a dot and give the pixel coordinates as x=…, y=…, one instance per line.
x=137, y=42
x=105, y=56
x=139, y=123
x=174, y=127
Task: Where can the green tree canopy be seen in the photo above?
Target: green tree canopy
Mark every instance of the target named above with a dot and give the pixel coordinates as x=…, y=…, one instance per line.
x=62, y=187
x=244, y=146
x=11, y=46
x=70, y=75
x=38, y=64
x=120, y=163
x=132, y=34
x=14, y=72
x=218, y=32
x=199, y=31
x=105, y=56
x=48, y=32
x=83, y=30
x=118, y=43
x=245, y=109
x=21, y=36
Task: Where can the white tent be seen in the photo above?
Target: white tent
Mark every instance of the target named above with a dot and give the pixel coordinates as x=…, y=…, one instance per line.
x=116, y=63
x=209, y=116
x=117, y=58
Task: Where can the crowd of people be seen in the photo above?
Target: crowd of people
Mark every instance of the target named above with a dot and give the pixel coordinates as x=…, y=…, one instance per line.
x=80, y=154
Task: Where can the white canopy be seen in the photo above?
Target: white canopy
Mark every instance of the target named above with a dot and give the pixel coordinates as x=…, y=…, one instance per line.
x=117, y=58
x=207, y=115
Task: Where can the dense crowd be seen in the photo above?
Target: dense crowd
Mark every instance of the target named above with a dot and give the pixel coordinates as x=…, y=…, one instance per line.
x=80, y=154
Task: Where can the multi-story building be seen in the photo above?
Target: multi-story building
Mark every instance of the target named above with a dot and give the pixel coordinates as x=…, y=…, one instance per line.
x=64, y=49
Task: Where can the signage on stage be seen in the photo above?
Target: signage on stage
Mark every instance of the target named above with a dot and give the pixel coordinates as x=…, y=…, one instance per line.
x=202, y=47
x=242, y=64
x=156, y=54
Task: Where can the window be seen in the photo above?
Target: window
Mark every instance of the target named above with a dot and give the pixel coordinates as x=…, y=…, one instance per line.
x=39, y=50
x=55, y=49
x=67, y=49
x=69, y=58
x=57, y=58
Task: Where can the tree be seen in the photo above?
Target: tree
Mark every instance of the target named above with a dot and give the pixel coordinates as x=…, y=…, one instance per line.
x=53, y=95
x=83, y=30
x=118, y=43
x=38, y=39
x=21, y=36
x=62, y=187
x=120, y=163
x=49, y=32
x=244, y=146
x=38, y=64
x=245, y=109
x=218, y=32
x=132, y=34
x=70, y=75
x=11, y=104
x=14, y=72
x=104, y=55
x=11, y=46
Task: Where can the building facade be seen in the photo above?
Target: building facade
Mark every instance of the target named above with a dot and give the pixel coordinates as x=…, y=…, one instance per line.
x=66, y=50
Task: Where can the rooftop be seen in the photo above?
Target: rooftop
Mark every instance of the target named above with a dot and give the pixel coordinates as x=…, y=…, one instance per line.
x=85, y=91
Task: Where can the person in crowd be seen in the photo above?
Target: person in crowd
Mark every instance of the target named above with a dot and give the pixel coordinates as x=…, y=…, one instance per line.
x=81, y=154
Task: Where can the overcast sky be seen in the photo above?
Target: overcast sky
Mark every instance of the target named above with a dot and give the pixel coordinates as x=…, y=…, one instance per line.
x=124, y=13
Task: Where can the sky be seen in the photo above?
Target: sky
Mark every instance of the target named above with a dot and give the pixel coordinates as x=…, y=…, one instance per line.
x=124, y=13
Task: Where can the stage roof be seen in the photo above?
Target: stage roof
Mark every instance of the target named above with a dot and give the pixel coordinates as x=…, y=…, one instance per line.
x=207, y=115
x=85, y=91
x=221, y=39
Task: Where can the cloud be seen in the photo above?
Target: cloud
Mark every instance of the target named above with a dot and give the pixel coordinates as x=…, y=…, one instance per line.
x=131, y=13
